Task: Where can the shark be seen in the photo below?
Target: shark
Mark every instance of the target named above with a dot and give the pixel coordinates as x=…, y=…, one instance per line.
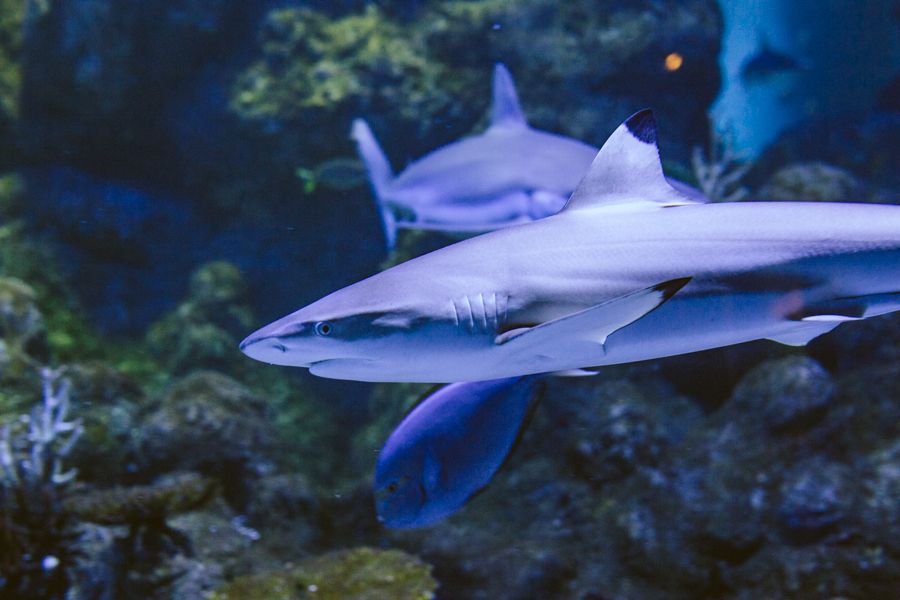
x=629, y=270
x=511, y=173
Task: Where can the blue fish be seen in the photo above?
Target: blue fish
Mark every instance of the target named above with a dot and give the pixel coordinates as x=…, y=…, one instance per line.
x=448, y=448
x=767, y=62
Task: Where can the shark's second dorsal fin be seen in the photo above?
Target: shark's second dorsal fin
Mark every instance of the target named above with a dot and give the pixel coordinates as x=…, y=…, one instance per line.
x=627, y=170
x=505, y=110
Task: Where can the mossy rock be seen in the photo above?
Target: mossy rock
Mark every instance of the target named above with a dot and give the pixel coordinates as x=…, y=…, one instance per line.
x=357, y=574
x=813, y=182
x=21, y=322
x=143, y=504
x=217, y=283
x=203, y=331
x=109, y=404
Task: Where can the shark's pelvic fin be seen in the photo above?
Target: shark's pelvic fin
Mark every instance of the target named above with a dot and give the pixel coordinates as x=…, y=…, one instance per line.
x=804, y=333
x=627, y=170
x=817, y=319
x=505, y=110
x=380, y=174
x=594, y=324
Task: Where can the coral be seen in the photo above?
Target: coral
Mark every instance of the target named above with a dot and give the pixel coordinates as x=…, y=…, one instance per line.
x=38, y=540
x=719, y=169
x=357, y=574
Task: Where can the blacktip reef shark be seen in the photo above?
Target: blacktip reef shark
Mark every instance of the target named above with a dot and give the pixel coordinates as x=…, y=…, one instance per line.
x=510, y=174
x=629, y=270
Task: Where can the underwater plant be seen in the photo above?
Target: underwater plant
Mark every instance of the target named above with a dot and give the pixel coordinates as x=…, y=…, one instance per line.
x=37, y=537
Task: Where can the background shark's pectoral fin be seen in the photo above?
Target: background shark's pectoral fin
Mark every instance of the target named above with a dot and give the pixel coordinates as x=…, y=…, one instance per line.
x=592, y=326
x=627, y=170
x=505, y=110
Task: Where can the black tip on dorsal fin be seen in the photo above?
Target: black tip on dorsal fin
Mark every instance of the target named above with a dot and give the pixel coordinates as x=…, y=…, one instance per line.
x=642, y=125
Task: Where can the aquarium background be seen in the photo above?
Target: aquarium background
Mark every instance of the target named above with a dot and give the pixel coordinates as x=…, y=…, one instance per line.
x=178, y=173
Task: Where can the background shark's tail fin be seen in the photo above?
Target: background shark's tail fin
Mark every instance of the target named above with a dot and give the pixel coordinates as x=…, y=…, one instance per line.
x=380, y=174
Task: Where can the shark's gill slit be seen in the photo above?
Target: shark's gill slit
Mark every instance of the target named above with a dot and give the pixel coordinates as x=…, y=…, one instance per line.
x=471, y=313
x=484, y=322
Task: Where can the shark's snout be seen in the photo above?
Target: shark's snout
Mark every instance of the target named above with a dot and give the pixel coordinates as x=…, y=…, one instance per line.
x=264, y=347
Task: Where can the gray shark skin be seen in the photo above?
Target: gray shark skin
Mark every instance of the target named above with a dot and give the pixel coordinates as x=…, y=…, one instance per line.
x=509, y=174
x=629, y=270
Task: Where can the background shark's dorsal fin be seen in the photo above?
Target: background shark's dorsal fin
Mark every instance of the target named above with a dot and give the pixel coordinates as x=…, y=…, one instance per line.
x=627, y=170
x=505, y=110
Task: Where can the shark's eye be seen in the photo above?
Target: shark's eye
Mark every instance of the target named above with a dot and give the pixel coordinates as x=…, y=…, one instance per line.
x=323, y=328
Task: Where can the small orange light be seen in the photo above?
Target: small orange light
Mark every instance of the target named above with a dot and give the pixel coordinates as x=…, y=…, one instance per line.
x=674, y=62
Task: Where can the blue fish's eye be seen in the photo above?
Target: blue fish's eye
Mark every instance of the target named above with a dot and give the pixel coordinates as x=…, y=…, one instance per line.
x=324, y=328
x=392, y=487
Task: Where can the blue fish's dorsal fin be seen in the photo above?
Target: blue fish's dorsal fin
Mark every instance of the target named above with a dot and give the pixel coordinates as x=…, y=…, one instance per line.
x=505, y=110
x=627, y=170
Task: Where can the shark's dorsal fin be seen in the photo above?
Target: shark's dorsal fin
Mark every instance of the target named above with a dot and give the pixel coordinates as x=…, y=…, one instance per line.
x=627, y=170
x=505, y=110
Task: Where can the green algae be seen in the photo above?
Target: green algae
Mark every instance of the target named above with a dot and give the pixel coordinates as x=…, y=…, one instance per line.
x=312, y=62
x=12, y=15
x=357, y=574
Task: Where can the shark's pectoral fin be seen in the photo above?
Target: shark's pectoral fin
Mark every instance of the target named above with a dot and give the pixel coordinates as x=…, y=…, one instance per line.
x=627, y=171
x=592, y=326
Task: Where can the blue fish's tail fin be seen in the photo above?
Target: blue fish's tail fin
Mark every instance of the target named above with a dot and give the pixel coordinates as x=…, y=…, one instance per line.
x=380, y=174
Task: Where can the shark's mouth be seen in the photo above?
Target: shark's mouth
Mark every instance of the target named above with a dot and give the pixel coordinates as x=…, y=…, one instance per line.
x=342, y=368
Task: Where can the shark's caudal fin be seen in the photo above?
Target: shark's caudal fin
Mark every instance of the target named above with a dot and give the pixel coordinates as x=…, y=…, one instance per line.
x=380, y=174
x=627, y=170
x=505, y=110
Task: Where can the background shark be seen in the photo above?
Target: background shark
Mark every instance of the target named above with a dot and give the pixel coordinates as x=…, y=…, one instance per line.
x=509, y=174
x=629, y=270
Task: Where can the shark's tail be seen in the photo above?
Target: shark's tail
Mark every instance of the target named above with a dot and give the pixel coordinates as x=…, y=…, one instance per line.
x=380, y=174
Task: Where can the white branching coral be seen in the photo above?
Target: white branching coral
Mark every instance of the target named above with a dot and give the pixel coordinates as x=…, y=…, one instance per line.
x=719, y=170
x=35, y=457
